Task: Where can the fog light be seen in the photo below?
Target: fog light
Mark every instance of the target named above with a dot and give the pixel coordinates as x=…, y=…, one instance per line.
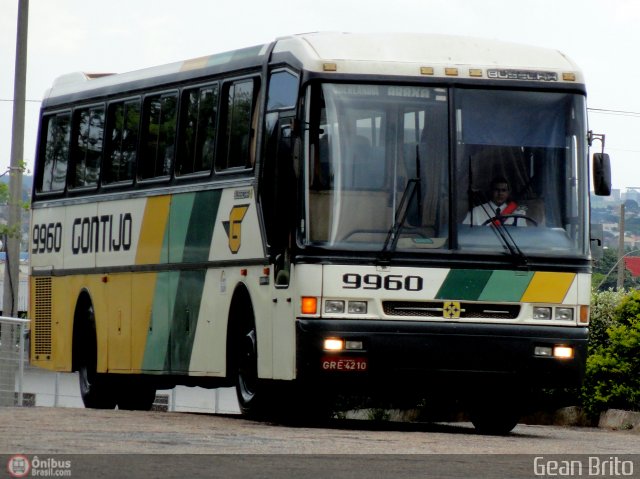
x=543, y=351
x=564, y=314
x=333, y=344
x=541, y=313
x=563, y=352
x=353, y=345
x=357, y=307
x=333, y=306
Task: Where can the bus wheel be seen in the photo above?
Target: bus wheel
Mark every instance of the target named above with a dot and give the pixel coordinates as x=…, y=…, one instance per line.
x=95, y=388
x=134, y=394
x=247, y=370
x=497, y=416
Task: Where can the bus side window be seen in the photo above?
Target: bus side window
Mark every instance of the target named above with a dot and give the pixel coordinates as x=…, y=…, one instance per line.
x=158, y=148
x=198, y=130
x=53, y=173
x=86, y=152
x=237, y=129
x=122, y=141
x=283, y=91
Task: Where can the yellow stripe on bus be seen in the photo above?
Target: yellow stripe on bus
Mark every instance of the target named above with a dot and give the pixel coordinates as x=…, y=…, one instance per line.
x=546, y=287
x=156, y=214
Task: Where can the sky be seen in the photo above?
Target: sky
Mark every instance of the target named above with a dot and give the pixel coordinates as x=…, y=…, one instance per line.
x=601, y=36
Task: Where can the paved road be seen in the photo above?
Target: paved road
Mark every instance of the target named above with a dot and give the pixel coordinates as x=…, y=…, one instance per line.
x=337, y=449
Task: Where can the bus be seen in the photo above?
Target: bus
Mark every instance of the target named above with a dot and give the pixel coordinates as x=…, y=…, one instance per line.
x=289, y=219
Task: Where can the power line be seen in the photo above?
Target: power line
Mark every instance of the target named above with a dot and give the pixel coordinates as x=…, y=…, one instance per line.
x=28, y=101
x=605, y=111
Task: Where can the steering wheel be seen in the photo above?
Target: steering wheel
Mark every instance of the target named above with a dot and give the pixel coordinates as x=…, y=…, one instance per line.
x=503, y=217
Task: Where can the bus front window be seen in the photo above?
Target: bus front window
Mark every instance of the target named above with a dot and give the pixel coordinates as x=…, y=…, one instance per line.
x=532, y=144
x=366, y=143
x=368, y=146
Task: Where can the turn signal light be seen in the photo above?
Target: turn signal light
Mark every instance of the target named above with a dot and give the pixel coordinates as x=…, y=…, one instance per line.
x=309, y=305
x=584, y=314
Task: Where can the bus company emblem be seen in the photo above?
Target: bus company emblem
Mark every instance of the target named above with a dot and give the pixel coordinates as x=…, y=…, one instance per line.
x=233, y=227
x=451, y=310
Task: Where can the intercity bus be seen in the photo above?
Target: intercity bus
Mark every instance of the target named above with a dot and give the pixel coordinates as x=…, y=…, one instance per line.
x=288, y=219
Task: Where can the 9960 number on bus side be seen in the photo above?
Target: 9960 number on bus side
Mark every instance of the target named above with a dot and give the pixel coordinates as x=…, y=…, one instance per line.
x=46, y=238
x=390, y=282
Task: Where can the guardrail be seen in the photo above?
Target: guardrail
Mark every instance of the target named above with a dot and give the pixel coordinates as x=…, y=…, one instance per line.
x=12, y=360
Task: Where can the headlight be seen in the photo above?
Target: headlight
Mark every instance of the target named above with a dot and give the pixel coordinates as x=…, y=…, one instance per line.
x=564, y=314
x=332, y=306
x=540, y=312
x=357, y=307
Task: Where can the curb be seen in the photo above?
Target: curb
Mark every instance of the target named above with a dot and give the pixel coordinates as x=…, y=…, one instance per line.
x=620, y=420
x=573, y=416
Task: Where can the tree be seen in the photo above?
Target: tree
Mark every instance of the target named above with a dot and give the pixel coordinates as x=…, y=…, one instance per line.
x=604, y=274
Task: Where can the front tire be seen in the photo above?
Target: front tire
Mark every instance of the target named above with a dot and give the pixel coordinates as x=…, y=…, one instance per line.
x=497, y=414
x=246, y=376
x=494, y=423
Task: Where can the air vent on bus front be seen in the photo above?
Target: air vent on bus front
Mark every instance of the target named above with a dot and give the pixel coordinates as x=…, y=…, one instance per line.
x=436, y=309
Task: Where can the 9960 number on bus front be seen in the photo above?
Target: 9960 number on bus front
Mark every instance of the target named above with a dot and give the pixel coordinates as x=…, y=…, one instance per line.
x=390, y=282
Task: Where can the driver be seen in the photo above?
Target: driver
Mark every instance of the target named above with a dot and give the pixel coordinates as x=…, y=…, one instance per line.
x=499, y=210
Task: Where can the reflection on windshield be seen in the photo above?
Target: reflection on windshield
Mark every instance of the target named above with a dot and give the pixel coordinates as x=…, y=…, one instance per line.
x=517, y=166
x=367, y=143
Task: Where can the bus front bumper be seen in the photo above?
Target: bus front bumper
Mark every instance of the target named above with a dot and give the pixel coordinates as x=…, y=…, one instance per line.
x=417, y=355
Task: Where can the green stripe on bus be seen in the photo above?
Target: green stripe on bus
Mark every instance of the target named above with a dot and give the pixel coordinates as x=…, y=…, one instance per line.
x=177, y=297
x=506, y=286
x=197, y=243
x=158, y=337
x=464, y=284
x=185, y=319
x=179, y=219
x=201, y=224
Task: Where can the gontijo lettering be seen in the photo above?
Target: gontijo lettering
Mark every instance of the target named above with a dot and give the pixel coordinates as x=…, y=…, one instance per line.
x=90, y=234
x=101, y=234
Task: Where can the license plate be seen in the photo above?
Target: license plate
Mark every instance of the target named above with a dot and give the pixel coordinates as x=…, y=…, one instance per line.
x=332, y=363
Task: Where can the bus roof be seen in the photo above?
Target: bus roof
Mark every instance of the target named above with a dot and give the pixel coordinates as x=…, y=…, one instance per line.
x=398, y=54
x=371, y=53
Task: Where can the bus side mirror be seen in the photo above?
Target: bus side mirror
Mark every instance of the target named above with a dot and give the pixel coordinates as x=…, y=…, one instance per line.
x=601, y=174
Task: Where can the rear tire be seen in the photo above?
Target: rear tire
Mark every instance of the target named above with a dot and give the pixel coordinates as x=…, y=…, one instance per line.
x=96, y=389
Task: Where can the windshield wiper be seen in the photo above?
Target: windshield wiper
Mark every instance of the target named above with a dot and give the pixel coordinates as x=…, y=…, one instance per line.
x=506, y=237
x=414, y=185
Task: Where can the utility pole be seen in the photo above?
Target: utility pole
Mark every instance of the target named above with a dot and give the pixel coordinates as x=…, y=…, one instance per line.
x=621, y=267
x=8, y=369
x=12, y=246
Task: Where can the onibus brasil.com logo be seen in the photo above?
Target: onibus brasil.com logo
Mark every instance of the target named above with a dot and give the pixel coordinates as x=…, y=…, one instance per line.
x=20, y=465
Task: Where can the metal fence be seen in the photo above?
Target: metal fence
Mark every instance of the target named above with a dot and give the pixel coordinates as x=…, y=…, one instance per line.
x=13, y=356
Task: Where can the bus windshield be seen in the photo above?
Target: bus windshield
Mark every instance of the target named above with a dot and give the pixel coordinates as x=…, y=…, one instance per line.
x=382, y=171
